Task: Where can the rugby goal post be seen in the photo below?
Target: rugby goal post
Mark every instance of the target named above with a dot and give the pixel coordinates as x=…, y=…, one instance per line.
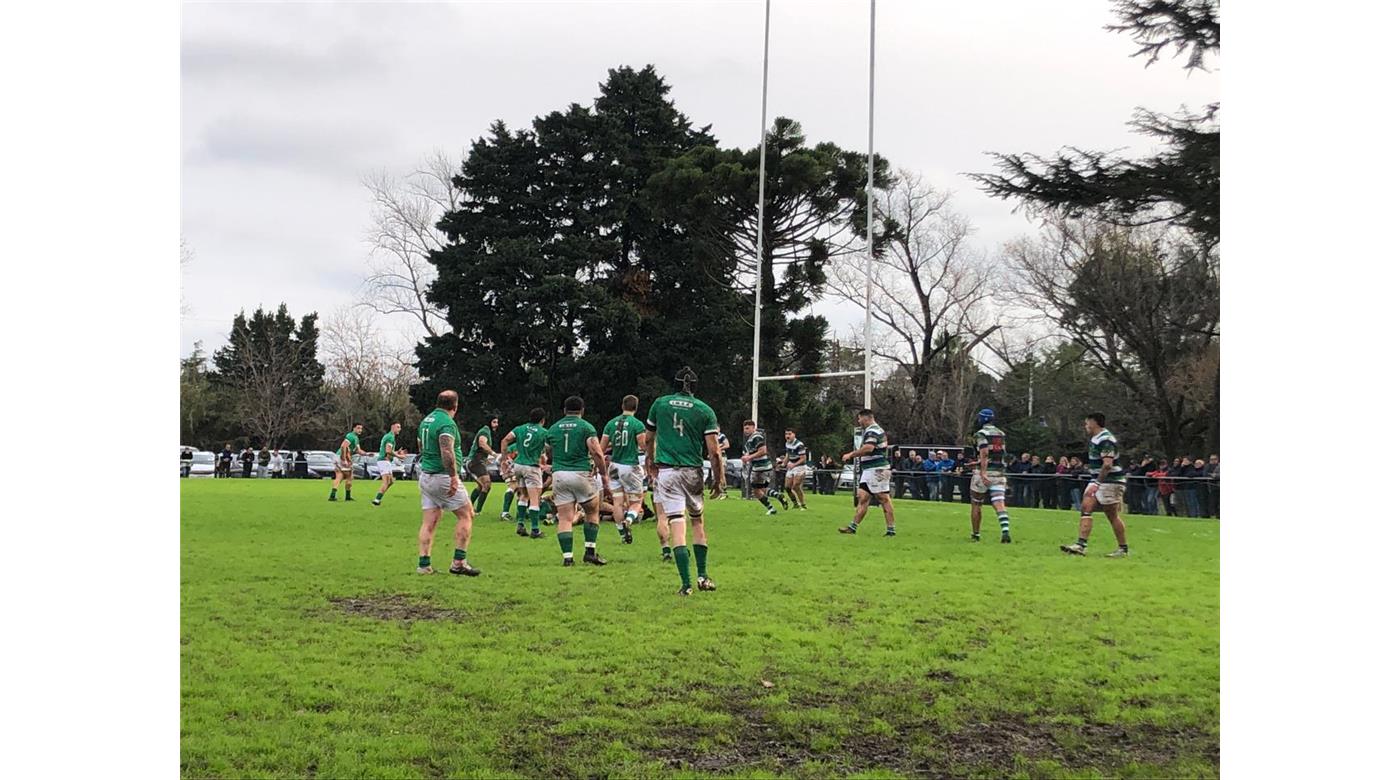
x=869, y=225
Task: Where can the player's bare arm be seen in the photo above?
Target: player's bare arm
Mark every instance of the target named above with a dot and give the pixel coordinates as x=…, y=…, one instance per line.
x=600, y=461
x=449, y=461
x=716, y=464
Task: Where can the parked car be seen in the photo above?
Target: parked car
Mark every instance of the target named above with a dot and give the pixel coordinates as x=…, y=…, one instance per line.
x=201, y=465
x=367, y=467
x=320, y=463
x=410, y=466
x=847, y=480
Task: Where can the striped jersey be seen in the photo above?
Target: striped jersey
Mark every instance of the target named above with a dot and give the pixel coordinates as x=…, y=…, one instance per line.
x=796, y=453
x=753, y=444
x=992, y=439
x=879, y=456
x=1105, y=445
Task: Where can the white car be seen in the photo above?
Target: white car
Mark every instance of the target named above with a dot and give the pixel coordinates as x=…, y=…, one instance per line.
x=847, y=480
x=320, y=463
x=202, y=465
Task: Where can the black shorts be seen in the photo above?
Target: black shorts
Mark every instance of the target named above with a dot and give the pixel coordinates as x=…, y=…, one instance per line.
x=477, y=468
x=760, y=478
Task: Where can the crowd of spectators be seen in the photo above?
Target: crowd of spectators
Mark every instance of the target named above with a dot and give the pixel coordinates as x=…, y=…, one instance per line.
x=264, y=463
x=1184, y=486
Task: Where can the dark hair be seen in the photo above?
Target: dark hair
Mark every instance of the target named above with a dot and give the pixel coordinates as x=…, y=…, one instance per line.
x=789, y=430
x=537, y=415
x=865, y=413
x=353, y=426
x=751, y=422
x=573, y=403
x=447, y=399
x=1097, y=417
x=629, y=403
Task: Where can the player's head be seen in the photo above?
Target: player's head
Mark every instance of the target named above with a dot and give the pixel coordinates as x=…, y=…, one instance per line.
x=790, y=434
x=396, y=427
x=494, y=421
x=447, y=401
x=573, y=405
x=537, y=415
x=358, y=428
x=750, y=426
x=685, y=380
x=985, y=416
x=629, y=403
x=1094, y=422
x=865, y=417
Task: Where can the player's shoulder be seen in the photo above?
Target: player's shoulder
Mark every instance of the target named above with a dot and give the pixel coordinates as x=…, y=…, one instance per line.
x=1104, y=435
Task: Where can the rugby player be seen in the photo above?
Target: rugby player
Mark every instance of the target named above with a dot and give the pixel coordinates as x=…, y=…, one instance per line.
x=795, y=456
x=760, y=466
x=990, y=476
x=387, y=444
x=620, y=443
x=681, y=431
x=344, y=460
x=439, y=457
x=527, y=440
x=574, y=451
x=477, y=459
x=872, y=463
x=1105, y=491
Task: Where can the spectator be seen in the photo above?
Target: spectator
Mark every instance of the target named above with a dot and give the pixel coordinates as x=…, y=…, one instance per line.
x=1165, y=486
x=1045, y=483
x=901, y=465
x=274, y=465
x=1062, y=483
x=1018, y=482
x=930, y=478
x=962, y=475
x=247, y=459
x=1212, y=474
x=299, y=466
x=944, y=467
x=1175, y=475
x=916, y=479
x=1197, y=473
x=826, y=480
x=264, y=461
x=186, y=461
x=1148, y=485
x=1079, y=477
x=1032, y=488
x=225, y=464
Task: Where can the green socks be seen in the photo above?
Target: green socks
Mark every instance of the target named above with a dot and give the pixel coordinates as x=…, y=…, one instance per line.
x=459, y=554
x=566, y=543
x=1005, y=520
x=682, y=555
x=505, y=505
x=424, y=561
x=590, y=535
x=520, y=514
x=534, y=514
x=701, y=550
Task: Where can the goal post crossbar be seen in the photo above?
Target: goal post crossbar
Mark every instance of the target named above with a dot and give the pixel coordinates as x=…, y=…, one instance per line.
x=824, y=375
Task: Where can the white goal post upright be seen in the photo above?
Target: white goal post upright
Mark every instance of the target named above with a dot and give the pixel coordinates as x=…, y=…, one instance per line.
x=869, y=226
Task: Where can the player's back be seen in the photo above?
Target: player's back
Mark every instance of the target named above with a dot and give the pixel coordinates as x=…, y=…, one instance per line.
x=681, y=422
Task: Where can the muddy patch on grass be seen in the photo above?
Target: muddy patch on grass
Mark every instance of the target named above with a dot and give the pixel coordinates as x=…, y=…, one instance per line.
x=393, y=606
x=759, y=740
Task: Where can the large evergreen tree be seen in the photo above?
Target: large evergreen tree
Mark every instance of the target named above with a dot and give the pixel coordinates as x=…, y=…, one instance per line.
x=270, y=371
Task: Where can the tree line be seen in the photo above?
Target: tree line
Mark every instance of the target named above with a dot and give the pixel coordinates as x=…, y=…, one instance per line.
x=602, y=246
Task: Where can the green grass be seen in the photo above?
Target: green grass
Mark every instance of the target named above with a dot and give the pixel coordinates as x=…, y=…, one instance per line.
x=923, y=655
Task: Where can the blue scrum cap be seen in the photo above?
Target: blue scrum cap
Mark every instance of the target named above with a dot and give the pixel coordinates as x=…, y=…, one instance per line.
x=985, y=416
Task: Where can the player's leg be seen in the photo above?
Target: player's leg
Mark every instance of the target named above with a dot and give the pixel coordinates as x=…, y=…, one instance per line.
x=1087, y=506
x=335, y=481
x=1003, y=517
x=509, y=499
x=522, y=502
x=670, y=502
x=761, y=490
x=463, y=536
x=1110, y=497
x=386, y=478
x=592, y=508
x=978, y=497
x=478, y=470
x=564, y=532
x=425, y=537
x=798, y=495
x=862, y=505
x=348, y=480
x=888, y=505
x=700, y=544
x=663, y=529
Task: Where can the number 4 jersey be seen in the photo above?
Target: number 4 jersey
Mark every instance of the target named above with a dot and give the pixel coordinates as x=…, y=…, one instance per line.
x=680, y=422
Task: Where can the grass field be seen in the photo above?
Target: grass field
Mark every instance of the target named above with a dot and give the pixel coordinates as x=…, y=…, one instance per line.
x=310, y=648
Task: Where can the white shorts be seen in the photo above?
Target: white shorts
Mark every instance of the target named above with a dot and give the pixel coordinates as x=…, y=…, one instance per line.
x=531, y=476
x=507, y=467
x=386, y=467
x=876, y=480
x=1106, y=493
x=434, y=487
x=574, y=487
x=995, y=484
x=627, y=479
x=797, y=471
x=680, y=490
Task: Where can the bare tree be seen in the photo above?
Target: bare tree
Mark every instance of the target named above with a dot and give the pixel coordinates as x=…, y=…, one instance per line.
x=403, y=233
x=367, y=378
x=1143, y=303
x=932, y=297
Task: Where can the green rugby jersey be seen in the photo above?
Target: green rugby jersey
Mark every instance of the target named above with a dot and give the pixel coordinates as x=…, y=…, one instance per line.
x=568, y=443
x=429, y=451
x=387, y=443
x=354, y=439
x=878, y=457
x=993, y=439
x=622, y=433
x=529, y=442
x=680, y=422
x=476, y=453
x=1105, y=444
x=752, y=444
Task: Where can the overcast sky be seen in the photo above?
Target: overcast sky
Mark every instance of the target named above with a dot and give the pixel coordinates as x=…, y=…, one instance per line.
x=285, y=107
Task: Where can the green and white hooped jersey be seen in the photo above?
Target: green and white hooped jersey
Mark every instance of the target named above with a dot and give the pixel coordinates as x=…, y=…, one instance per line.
x=993, y=439
x=796, y=451
x=878, y=457
x=752, y=445
x=1105, y=444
